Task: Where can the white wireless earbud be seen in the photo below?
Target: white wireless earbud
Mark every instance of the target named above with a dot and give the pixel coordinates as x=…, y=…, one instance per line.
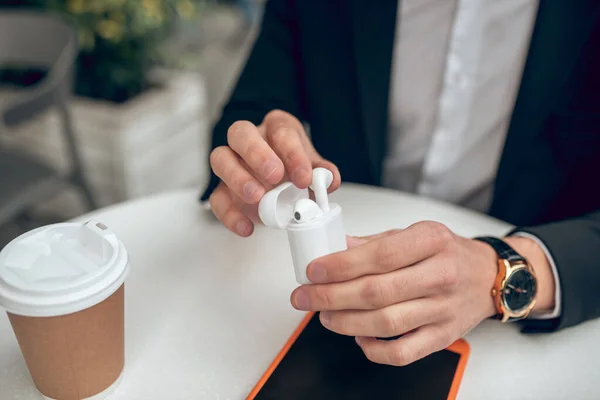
x=321, y=180
x=305, y=210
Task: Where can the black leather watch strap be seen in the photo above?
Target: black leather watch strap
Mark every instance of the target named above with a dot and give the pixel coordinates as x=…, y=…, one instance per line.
x=504, y=251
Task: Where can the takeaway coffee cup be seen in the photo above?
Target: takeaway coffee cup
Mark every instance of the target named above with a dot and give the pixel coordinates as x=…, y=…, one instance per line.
x=62, y=286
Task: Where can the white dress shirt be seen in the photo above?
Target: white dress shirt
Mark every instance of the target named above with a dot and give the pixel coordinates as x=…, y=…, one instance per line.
x=456, y=71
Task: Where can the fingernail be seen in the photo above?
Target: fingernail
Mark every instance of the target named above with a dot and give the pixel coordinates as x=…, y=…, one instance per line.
x=301, y=300
x=300, y=174
x=242, y=227
x=317, y=273
x=353, y=241
x=269, y=168
x=249, y=189
x=358, y=340
x=325, y=318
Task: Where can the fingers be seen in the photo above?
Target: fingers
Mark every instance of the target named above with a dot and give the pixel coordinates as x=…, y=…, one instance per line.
x=256, y=159
x=228, y=213
x=409, y=348
x=284, y=135
x=227, y=165
x=245, y=140
x=386, y=322
x=390, y=252
x=278, y=148
x=376, y=291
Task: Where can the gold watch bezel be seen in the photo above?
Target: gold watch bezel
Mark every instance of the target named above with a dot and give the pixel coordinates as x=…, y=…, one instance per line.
x=505, y=270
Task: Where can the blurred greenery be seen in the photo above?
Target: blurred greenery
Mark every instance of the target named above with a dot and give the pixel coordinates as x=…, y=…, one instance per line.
x=121, y=41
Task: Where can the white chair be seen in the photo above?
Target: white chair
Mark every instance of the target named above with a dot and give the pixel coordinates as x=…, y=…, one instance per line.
x=38, y=41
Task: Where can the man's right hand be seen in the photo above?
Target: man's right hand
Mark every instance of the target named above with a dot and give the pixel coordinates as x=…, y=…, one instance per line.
x=256, y=159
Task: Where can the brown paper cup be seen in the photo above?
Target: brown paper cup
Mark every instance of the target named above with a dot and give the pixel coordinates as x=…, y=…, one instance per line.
x=63, y=289
x=74, y=356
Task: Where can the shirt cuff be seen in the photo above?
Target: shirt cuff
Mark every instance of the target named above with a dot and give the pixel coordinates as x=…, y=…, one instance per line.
x=557, y=293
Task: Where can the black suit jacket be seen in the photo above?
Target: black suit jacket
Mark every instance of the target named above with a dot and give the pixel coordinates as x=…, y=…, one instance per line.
x=329, y=64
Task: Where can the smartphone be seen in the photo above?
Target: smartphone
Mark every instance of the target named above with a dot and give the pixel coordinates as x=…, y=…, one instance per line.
x=318, y=364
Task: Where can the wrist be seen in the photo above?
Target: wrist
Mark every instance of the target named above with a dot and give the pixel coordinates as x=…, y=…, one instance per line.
x=488, y=264
x=541, y=267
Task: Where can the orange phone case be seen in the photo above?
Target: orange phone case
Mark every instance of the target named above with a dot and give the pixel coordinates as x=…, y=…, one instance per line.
x=460, y=347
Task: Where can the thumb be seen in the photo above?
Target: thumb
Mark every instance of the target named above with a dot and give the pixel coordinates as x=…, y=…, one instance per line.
x=353, y=241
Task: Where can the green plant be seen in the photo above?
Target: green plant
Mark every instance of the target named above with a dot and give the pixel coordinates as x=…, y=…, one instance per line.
x=120, y=42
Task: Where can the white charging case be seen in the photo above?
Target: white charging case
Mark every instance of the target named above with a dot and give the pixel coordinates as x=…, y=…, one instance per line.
x=308, y=240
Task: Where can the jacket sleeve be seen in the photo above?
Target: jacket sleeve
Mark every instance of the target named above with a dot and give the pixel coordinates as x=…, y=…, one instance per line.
x=574, y=243
x=575, y=247
x=269, y=80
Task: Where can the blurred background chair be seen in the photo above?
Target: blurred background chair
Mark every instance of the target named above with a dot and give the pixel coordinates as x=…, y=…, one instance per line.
x=41, y=42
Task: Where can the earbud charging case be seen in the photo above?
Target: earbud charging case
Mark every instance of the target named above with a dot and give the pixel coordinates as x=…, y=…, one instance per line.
x=308, y=240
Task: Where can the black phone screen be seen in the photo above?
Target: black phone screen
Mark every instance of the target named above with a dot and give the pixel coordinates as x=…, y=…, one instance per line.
x=324, y=365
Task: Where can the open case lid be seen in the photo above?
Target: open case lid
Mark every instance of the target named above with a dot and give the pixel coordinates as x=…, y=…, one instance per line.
x=276, y=208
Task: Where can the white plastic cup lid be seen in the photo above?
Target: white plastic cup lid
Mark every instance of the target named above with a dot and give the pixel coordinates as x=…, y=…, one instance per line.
x=61, y=269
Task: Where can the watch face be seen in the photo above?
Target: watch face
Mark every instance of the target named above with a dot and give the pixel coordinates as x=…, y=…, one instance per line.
x=519, y=290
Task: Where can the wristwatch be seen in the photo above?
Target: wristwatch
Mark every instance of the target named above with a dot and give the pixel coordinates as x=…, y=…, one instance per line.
x=515, y=286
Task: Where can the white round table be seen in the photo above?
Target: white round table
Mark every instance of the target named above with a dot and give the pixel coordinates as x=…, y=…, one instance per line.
x=206, y=311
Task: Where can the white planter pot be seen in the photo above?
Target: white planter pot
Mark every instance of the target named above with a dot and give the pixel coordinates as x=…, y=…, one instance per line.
x=155, y=142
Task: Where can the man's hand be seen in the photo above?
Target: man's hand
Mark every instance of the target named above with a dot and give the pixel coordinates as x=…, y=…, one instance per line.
x=256, y=159
x=424, y=283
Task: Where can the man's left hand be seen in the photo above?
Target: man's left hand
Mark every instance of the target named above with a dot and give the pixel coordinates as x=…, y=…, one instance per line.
x=424, y=283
